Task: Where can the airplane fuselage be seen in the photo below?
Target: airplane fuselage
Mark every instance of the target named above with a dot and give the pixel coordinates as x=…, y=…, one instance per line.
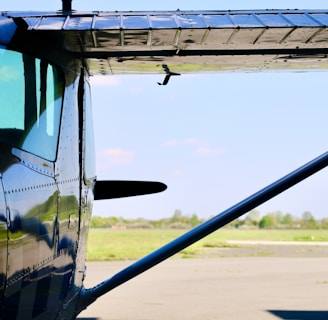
x=47, y=179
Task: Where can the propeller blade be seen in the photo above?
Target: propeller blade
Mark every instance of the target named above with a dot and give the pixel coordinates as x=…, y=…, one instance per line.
x=112, y=189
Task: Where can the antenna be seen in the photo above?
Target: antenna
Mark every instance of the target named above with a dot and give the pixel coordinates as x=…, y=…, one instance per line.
x=67, y=5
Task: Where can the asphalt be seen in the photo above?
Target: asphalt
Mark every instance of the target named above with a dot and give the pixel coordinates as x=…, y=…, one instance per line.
x=245, y=288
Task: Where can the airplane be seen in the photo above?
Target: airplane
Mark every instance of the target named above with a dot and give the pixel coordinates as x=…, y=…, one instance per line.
x=47, y=159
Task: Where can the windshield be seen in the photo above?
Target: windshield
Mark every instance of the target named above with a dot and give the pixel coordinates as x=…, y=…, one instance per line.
x=31, y=92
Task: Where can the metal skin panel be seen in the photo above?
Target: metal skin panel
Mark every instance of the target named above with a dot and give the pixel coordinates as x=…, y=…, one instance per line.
x=3, y=243
x=34, y=239
x=75, y=191
x=69, y=202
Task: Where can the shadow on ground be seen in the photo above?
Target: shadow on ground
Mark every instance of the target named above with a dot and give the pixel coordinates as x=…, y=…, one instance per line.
x=300, y=315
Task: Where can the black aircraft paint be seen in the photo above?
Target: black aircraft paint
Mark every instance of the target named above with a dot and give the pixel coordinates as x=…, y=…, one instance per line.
x=47, y=165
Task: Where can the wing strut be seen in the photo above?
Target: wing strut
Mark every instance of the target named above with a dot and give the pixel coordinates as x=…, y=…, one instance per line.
x=88, y=296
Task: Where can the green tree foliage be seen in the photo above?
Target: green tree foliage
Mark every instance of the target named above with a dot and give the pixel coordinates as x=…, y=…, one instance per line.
x=178, y=220
x=288, y=220
x=177, y=216
x=277, y=220
x=253, y=218
x=279, y=216
x=194, y=220
x=324, y=223
x=99, y=222
x=268, y=221
x=308, y=221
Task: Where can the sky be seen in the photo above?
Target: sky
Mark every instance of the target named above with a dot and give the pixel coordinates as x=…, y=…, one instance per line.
x=213, y=139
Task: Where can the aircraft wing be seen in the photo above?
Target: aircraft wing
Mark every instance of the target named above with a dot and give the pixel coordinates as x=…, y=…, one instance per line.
x=191, y=41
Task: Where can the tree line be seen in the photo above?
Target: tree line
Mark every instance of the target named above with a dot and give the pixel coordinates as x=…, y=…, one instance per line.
x=253, y=219
x=280, y=220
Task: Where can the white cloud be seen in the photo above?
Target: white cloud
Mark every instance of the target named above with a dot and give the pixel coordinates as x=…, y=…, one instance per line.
x=201, y=148
x=115, y=156
x=135, y=90
x=176, y=173
x=183, y=142
x=105, y=81
x=204, y=151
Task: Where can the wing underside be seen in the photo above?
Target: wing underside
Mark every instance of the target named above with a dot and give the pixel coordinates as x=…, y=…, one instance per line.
x=190, y=41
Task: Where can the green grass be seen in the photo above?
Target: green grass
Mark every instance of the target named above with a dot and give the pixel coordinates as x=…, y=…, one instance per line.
x=132, y=244
x=272, y=235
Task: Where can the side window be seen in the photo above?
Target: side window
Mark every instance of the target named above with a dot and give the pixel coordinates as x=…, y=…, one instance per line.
x=89, y=149
x=31, y=93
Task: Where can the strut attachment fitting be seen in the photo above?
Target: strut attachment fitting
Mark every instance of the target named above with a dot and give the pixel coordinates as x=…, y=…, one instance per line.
x=169, y=73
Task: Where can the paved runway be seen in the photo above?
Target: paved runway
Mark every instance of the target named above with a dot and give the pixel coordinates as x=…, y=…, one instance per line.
x=248, y=288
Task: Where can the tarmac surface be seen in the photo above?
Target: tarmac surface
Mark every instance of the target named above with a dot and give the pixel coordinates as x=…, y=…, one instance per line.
x=271, y=287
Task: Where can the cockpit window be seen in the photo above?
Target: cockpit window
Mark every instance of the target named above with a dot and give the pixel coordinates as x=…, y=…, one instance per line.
x=31, y=92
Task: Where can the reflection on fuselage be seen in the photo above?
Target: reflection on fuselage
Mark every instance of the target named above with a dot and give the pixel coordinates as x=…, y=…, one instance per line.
x=41, y=254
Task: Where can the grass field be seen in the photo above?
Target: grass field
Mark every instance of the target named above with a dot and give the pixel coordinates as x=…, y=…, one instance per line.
x=131, y=244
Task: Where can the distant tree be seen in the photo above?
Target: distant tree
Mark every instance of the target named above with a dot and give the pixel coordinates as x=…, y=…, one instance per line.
x=279, y=216
x=253, y=218
x=194, y=220
x=99, y=222
x=113, y=220
x=179, y=225
x=177, y=216
x=308, y=221
x=235, y=224
x=268, y=221
x=288, y=220
x=324, y=223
